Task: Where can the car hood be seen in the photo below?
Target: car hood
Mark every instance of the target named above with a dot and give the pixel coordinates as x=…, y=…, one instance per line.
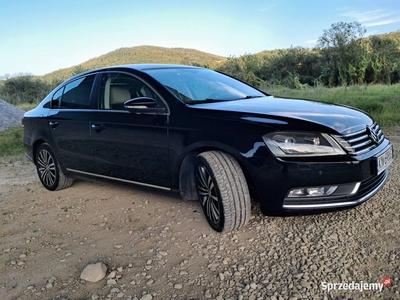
x=343, y=119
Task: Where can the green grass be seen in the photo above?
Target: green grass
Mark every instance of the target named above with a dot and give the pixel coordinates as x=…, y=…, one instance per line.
x=11, y=142
x=382, y=102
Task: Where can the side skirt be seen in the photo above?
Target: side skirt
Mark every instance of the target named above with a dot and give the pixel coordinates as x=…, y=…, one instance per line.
x=119, y=179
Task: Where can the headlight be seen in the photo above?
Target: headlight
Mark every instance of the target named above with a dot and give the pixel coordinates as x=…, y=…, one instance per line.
x=302, y=144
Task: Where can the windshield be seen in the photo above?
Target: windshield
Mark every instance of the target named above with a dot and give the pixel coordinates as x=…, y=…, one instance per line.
x=202, y=85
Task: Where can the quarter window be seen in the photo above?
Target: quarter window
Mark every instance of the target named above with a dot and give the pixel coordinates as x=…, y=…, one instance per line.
x=55, y=103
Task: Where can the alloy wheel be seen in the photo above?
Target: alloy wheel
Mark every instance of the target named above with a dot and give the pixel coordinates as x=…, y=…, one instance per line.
x=46, y=167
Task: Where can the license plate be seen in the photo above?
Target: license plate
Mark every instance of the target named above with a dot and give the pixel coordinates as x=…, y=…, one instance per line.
x=384, y=160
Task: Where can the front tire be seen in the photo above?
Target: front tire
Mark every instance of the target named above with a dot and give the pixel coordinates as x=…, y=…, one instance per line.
x=48, y=169
x=223, y=191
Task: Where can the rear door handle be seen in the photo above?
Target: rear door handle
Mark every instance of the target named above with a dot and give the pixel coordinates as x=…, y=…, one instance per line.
x=53, y=124
x=98, y=127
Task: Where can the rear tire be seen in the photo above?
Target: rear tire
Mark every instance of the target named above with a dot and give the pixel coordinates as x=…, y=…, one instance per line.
x=48, y=169
x=223, y=191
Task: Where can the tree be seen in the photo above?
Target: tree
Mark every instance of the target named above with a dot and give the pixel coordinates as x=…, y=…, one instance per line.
x=385, y=58
x=343, y=51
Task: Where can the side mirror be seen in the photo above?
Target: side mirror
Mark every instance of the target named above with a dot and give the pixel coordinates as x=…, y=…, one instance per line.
x=143, y=105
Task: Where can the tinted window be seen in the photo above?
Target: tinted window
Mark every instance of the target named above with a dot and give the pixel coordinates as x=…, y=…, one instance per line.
x=116, y=88
x=75, y=94
x=55, y=103
x=191, y=85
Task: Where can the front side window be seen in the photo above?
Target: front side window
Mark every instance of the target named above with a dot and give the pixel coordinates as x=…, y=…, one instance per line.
x=74, y=95
x=117, y=88
x=199, y=85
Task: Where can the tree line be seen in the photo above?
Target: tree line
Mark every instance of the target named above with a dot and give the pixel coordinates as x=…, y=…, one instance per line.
x=342, y=57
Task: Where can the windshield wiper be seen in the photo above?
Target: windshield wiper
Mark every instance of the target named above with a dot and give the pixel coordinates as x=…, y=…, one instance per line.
x=250, y=97
x=212, y=100
x=208, y=100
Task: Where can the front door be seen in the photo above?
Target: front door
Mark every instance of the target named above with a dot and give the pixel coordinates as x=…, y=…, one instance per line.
x=126, y=145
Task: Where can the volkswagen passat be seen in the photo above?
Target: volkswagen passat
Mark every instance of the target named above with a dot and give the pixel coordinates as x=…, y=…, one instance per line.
x=210, y=136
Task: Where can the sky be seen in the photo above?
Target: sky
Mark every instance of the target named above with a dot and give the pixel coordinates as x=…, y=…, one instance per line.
x=41, y=36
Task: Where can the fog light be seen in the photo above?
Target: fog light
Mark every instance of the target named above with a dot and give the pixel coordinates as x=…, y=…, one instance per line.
x=318, y=191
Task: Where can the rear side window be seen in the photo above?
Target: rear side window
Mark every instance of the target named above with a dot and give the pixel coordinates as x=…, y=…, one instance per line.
x=74, y=95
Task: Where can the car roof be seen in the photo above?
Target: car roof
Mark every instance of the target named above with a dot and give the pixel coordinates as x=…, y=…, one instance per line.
x=138, y=67
x=141, y=67
x=157, y=66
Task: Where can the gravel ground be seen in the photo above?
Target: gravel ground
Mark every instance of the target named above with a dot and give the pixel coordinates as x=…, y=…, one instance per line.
x=157, y=246
x=10, y=115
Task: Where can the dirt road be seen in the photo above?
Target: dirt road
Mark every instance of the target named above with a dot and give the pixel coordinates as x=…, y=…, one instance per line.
x=161, y=247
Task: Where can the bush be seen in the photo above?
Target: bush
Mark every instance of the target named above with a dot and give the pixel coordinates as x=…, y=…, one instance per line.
x=24, y=89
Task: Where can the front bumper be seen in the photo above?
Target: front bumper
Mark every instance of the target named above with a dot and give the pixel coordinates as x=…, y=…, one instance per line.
x=367, y=189
x=277, y=177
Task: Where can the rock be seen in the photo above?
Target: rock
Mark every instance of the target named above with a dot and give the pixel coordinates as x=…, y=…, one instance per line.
x=112, y=275
x=111, y=281
x=305, y=284
x=146, y=297
x=94, y=272
x=49, y=285
x=241, y=268
x=178, y=286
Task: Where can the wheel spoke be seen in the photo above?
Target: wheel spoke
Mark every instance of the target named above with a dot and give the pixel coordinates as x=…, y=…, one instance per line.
x=208, y=195
x=201, y=176
x=215, y=211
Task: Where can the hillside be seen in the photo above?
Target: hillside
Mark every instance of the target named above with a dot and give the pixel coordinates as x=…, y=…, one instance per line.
x=140, y=54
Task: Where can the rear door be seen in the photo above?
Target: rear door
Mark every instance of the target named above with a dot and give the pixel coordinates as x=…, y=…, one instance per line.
x=130, y=146
x=69, y=122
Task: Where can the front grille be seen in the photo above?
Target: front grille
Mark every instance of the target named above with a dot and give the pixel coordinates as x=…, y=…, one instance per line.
x=363, y=141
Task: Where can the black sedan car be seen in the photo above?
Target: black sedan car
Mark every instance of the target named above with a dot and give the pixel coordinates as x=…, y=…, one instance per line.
x=210, y=136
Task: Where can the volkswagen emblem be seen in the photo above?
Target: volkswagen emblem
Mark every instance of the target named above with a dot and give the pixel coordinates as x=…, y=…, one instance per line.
x=373, y=135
